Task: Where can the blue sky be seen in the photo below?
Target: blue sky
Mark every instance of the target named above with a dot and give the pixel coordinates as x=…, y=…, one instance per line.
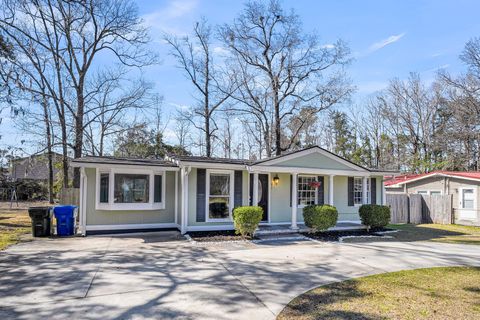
x=387, y=39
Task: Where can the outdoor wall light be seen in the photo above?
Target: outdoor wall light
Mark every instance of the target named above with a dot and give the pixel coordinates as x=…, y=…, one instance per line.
x=276, y=180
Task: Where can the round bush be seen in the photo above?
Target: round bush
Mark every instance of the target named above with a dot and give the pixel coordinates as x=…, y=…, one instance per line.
x=320, y=217
x=374, y=215
x=246, y=219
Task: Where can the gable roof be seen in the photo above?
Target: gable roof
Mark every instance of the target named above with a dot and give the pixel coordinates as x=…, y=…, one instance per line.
x=401, y=180
x=309, y=150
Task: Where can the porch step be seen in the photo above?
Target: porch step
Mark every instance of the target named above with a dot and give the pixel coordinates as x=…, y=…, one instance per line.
x=279, y=230
x=263, y=238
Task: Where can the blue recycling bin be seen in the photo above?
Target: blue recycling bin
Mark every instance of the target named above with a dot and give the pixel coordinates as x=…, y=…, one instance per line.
x=65, y=216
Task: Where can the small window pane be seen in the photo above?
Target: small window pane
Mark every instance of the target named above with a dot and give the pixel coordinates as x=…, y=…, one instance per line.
x=104, y=182
x=422, y=192
x=357, y=191
x=131, y=188
x=219, y=184
x=157, y=188
x=435, y=193
x=218, y=207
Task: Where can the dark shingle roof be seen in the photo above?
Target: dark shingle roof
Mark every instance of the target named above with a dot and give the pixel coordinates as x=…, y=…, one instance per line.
x=128, y=161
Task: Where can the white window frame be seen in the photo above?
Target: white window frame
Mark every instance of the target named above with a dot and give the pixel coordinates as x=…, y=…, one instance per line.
x=361, y=191
x=298, y=189
x=112, y=206
x=231, y=196
x=422, y=192
x=430, y=192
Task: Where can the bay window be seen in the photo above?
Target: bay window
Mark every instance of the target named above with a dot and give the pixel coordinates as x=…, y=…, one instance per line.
x=219, y=195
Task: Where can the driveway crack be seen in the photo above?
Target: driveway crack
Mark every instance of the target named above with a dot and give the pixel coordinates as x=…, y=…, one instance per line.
x=98, y=268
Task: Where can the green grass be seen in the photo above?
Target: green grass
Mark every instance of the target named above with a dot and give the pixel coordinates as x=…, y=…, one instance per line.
x=13, y=224
x=439, y=233
x=434, y=293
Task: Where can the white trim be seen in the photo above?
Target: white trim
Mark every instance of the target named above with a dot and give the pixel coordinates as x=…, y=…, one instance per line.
x=320, y=172
x=398, y=184
x=83, y=201
x=318, y=150
x=106, y=227
x=213, y=165
x=269, y=196
x=231, y=195
x=112, y=206
x=122, y=166
x=255, y=189
x=471, y=213
x=294, y=197
x=184, y=223
x=176, y=198
x=435, y=190
x=330, y=189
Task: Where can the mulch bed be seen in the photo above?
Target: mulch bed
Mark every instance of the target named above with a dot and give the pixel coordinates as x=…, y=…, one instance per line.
x=336, y=235
x=217, y=236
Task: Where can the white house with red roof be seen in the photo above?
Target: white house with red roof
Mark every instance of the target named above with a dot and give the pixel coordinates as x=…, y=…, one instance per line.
x=463, y=186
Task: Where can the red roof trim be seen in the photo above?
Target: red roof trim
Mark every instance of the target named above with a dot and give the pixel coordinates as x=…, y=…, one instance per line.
x=411, y=177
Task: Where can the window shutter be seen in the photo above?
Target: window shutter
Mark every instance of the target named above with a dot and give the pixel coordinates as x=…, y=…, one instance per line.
x=250, y=190
x=373, y=190
x=350, y=192
x=321, y=191
x=201, y=196
x=237, y=193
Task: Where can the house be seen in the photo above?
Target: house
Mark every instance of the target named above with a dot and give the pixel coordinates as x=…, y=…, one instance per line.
x=463, y=186
x=34, y=167
x=198, y=193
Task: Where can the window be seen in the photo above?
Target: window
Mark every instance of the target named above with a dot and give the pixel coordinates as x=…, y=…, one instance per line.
x=467, y=199
x=357, y=191
x=131, y=188
x=219, y=195
x=307, y=193
x=435, y=193
x=104, y=182
x=422, y=192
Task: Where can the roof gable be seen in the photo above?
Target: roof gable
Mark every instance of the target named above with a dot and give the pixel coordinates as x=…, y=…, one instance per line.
x=313, y=157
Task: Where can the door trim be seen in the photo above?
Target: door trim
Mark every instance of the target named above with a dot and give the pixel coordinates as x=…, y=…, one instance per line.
x=460, y=204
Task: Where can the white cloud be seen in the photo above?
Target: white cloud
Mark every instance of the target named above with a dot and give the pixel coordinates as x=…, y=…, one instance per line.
x=167, y=18
x=328, y=46
x=385, y=42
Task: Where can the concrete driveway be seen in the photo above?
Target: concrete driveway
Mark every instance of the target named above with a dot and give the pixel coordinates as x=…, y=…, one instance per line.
x=158, y=276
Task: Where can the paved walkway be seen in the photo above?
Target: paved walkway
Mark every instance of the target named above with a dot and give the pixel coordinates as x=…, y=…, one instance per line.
x=144, y=277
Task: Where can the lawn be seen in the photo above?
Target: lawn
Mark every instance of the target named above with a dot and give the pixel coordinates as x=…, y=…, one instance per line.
x=13, y=224
x=434, y=293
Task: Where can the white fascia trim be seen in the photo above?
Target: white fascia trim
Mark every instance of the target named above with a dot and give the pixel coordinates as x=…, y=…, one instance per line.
x=398, y=184
x=106, y=227
x=210, y=165
x=312, y=171
x=310, y=151
x=121, y=166
x=211, y=228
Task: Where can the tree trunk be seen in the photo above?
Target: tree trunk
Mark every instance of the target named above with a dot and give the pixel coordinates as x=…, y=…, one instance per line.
x=78, y=134
x=49, y=151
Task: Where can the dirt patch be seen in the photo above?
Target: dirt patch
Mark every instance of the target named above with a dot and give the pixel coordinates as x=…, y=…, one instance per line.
x=218, y=236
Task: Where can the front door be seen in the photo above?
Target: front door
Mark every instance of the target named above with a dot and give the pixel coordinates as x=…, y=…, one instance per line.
x=262, y=194
x=467, y=204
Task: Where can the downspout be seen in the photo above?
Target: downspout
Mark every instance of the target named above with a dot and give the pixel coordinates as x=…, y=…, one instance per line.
x=83, y=202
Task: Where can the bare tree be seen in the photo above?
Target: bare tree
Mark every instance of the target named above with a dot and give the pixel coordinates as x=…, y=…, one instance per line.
x=182, y=130
x=290, y=70
x=195, y=57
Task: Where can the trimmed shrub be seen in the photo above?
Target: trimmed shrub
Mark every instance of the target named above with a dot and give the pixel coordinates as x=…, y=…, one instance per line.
x=374, y=215
x=246, y=219
x=320, y=217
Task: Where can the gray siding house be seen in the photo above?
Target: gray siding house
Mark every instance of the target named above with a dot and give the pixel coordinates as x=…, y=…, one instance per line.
x=462, y=186
x=199, y=194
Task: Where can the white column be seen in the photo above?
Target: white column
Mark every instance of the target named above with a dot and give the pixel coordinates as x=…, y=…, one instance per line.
x=184, y=193
x=176, y=197
x=364, y=190
x=255, y=190
x=83, y=202
x=384, y=193
x=294, y=200
x=330, y=190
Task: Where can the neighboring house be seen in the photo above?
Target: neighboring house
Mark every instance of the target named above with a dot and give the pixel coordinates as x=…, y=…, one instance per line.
x=198, y=193
x=463, y=186
x=34, y=167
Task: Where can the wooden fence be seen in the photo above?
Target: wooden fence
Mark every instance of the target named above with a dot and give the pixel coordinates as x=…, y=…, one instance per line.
x=418, y=208
x=70, y=196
